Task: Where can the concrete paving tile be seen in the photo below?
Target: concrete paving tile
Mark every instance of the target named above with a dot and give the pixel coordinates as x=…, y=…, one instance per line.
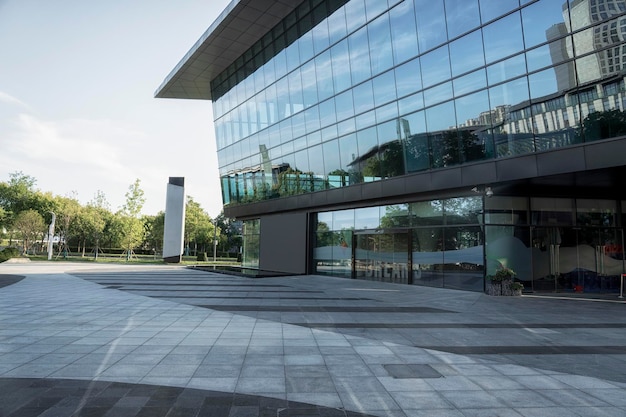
x=492, y=412
x=368, y=402
x=421, y=401
x=472, y=399
x=551, y=411
x=404, y=385
x=304, y=360
x=490, y=382
x=310, y=384
x=259, y=385
x=260, y=371
x=583, y=382
x=171, y=370
x=328, y=399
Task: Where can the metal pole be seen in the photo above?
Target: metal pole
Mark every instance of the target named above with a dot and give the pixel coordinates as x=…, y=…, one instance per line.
x=621, y=286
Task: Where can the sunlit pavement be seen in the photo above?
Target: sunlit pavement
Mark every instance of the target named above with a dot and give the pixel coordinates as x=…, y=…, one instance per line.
x=115, y=340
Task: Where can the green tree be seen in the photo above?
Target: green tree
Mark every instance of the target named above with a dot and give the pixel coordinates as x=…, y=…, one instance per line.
x=132, y=230
x=199, y=228
x=29, y=225
x=154, y=228
x=67, y=210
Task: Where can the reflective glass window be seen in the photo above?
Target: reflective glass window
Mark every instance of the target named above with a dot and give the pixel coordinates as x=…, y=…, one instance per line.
x=551, y=54
x=384, y=88
x=369, y=164
x=359, y=56
x=435, y=66
x=344, y=105
x=332, y=164
x=321, y=35
x=298, y=127
x=438, y=94
x=506, y=210
x=312, y=118
x=444, y=142
x=410, y=104
x=374, y=7
x=596, y=213
x=403, y=31
x=431, y=28
x=476, y=143
x=463, y=210
x=466, y=53
x=292, y=55
x=543, y=18
x=461, y=16
x=381, y=52
x=327, y=113
x=503, y=38
x=341, y=66
x=363, y=97
x=365, y=119
x=426, y=213
x=386, y=112
x=391, y=154
x=355, y=14
x=367, y=218
x=305, y=46
x=552, y=211
x=337, y=25
x=309, y=84
x=416, y=149
x=348, y=152
x=343, y=219
x=329, y=132
x=470, y=82
x=346, y=126
x=490, y=9
x=324, y=76
x=316, y=160
x=408, y=78
x=507, y=69
x=324, y=221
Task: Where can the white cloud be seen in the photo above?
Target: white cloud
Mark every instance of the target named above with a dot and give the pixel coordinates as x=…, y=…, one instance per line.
x=9, y=99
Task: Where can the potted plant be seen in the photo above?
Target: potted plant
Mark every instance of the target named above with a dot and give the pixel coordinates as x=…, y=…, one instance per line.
x=501, y=283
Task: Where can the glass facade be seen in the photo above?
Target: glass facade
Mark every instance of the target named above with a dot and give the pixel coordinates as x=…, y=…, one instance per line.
x=434, y=243
x=553, y=244
x=346, y=92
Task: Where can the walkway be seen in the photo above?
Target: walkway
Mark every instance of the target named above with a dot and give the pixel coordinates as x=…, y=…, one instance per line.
x=114, y=340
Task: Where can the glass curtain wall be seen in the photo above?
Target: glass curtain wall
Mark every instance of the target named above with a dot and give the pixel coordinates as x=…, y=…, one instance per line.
x=251, y=234
x=434, y=243
x=556, y=244
x=553, y=244
x=343, y=92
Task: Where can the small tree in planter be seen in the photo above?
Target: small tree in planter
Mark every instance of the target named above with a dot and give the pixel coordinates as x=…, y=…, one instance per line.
x=502, y=283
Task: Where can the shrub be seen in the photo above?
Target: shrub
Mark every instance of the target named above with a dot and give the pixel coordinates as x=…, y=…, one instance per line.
x=8, y=253
x=202, y=257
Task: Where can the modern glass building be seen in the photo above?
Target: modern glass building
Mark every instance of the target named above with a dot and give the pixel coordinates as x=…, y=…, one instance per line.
x=424, y=142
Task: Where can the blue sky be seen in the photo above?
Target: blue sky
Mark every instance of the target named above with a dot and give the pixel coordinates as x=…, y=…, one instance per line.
x=77, y=106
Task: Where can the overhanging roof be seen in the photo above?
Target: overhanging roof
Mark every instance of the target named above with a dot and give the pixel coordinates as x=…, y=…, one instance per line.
x=238, y=27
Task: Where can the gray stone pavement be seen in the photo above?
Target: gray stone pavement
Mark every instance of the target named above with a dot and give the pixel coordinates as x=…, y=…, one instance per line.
x=306, y=345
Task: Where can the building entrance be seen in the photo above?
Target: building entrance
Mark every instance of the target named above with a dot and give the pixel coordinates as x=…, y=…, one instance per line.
x=382, y=255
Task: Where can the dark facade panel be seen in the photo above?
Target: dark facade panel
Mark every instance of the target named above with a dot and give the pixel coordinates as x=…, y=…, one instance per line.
x=517, y=168
x=561, y=161
x=283, y=243
x=606, y=154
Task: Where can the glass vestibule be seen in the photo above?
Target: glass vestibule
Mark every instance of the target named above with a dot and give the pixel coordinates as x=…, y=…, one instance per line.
x=582, y=259
x=382, y=256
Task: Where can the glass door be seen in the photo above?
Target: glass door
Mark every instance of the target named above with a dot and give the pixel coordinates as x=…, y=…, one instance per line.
x=382, y=255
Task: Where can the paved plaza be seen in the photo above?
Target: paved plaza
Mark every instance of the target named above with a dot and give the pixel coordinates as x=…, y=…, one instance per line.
x=115, y=340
